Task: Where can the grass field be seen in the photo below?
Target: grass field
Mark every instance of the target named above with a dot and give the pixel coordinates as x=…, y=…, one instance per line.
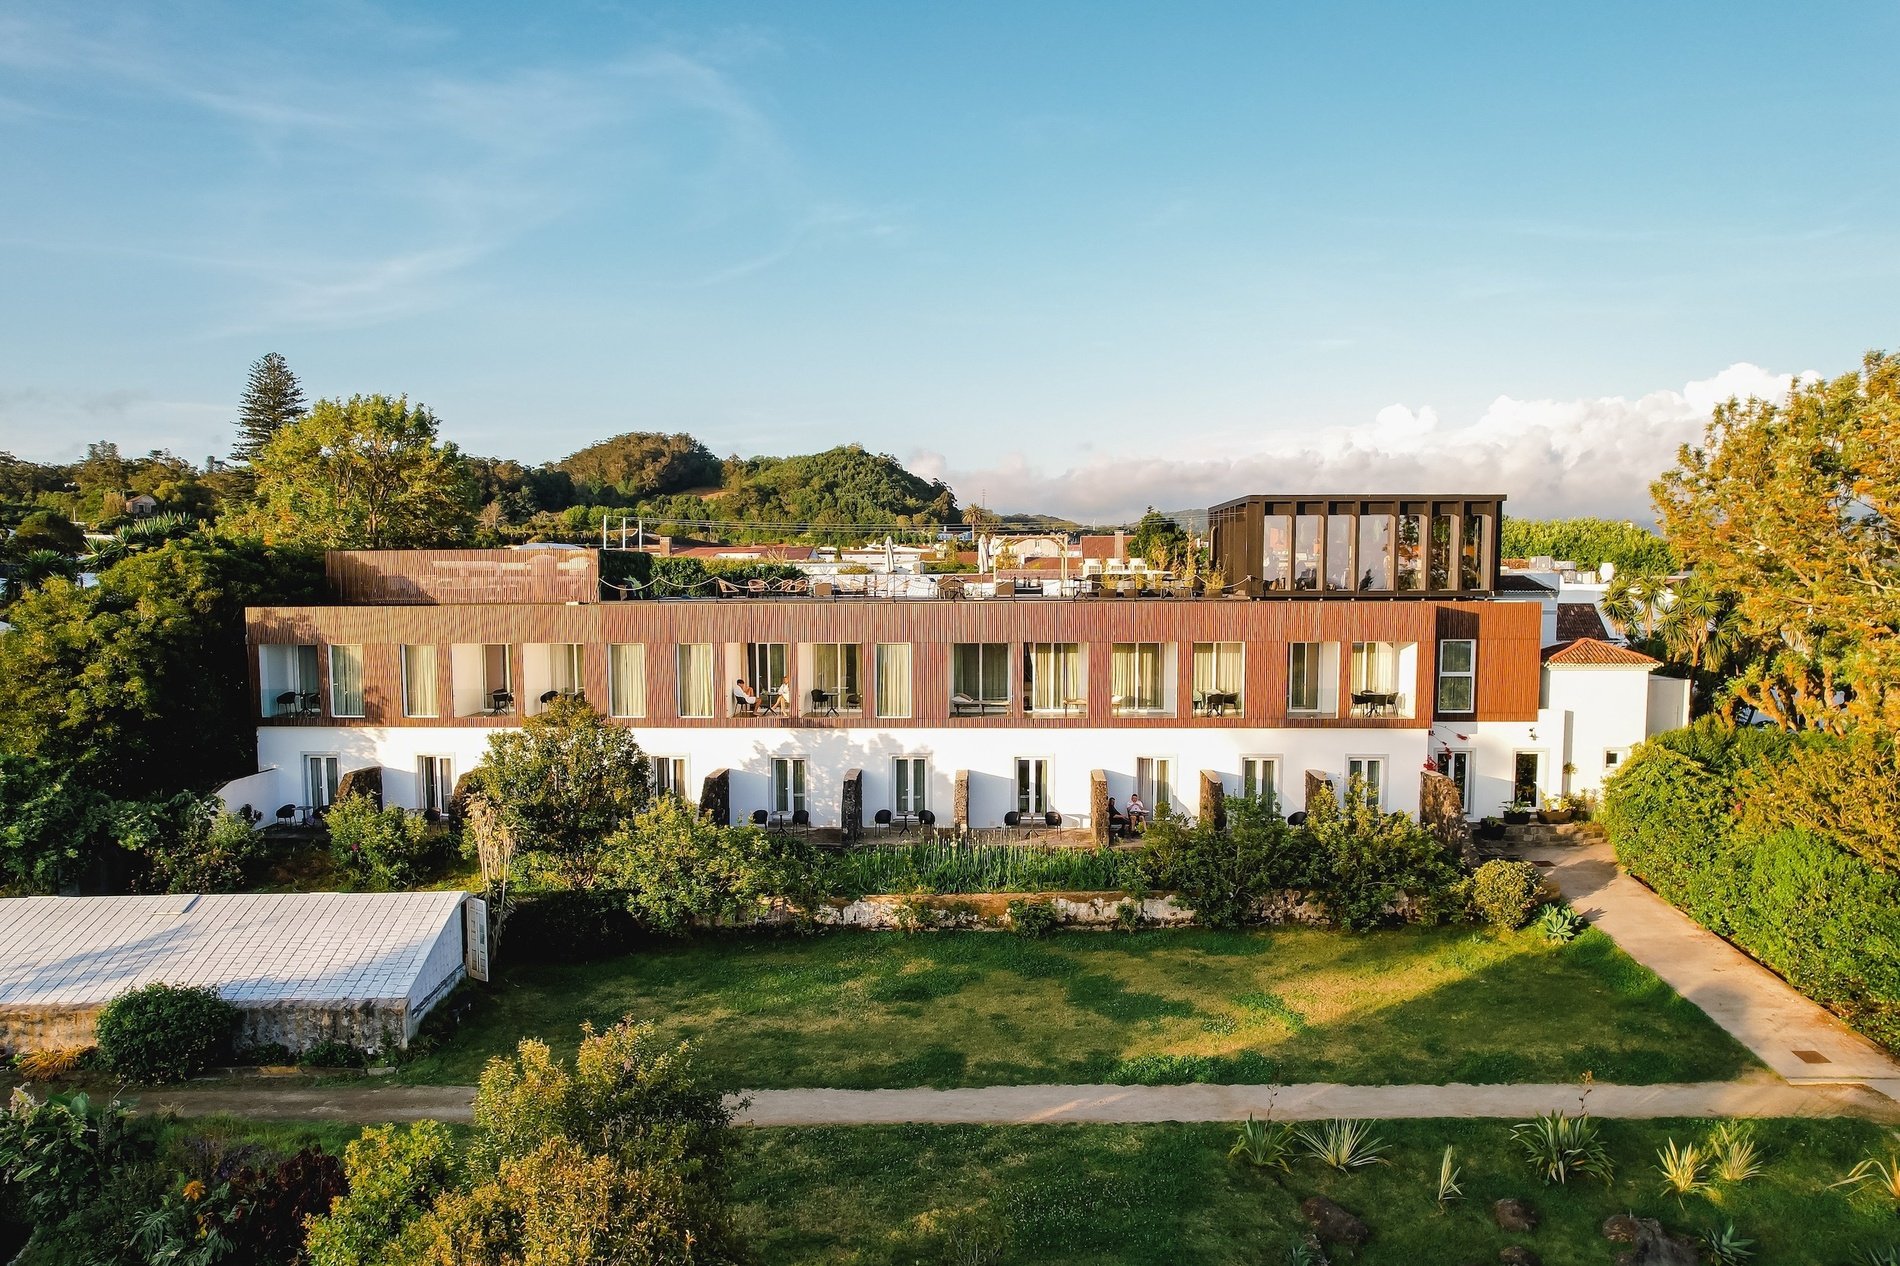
x=859, y=1010
x=1110, y=1195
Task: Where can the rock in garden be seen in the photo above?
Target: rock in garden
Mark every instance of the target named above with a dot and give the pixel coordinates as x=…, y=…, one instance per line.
x=1518, y=1255
x=1333, y=1224
x=1651, y=1245
x=1514, y=1216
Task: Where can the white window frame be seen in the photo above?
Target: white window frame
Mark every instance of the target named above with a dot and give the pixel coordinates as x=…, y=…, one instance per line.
x=791, y=784
x=1613, y=758
x=616, y=651
x=1470, y=782
x=310, y=797
x=434, y=773
x=1470, y=674
x=1038, y=800
x=910, y=792
x=878, y=669
x=1247, y=773
x=1158, y=790
x=679, y=773
x=362, y=683
x=408, y=708
x=1162, y=679
x=1382, y=761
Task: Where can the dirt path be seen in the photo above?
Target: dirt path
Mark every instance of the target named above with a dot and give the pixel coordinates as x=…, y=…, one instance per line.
x=1795, y=1037
x=1030, y=1105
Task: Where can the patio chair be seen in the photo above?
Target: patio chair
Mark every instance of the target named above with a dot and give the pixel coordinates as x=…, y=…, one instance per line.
x=882, y=821
x=1052, y=820
x=801, y=818
x=500, y=701
x=1013, y=820
x=1296, y=818
x=962, y=705
x=309, y=704
x=760, y=817
x=286, y=814
x=287, y=703
x=549, y=696
x=824, y=701
x=926, y=818
x=726, y=589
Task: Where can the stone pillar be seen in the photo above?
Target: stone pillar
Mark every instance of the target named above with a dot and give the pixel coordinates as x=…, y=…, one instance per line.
x=1318, y=783
x=1442, y=812
x=960, y=803
x=715, y=797
x=367, y=781
x=1098, y=808
x=1213, y=800
x=851, y=807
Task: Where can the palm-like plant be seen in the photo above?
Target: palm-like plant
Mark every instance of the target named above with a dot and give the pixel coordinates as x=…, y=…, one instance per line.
x=1344, y=1145
x=37, y=566
x=1557, y=1146
x=1733, y=1154
x=1681, y=1169
x=1264, y=1144
x=1448, y=1187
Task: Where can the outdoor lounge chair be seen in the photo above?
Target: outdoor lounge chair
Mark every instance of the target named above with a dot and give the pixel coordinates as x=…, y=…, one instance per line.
x=962, y=705
x=760, y=817
x=882, y=821
x=801, y=818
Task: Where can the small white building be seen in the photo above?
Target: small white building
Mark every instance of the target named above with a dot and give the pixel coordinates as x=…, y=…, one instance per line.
x=362, y=968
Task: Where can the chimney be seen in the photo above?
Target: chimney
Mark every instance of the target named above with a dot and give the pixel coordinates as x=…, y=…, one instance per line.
x=1121, y=550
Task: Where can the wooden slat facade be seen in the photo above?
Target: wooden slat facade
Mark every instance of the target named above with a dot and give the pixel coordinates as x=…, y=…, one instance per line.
x=1507, y=633
x=463, y=575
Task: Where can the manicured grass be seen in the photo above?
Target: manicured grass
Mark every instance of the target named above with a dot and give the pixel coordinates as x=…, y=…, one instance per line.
x=1166, y=1193
x=858, y=1010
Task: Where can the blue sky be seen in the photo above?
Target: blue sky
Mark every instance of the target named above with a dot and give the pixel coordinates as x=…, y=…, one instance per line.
x=1080, y=257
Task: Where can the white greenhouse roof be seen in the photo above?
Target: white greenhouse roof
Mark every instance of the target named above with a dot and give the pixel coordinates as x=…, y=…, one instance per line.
x=256, y=948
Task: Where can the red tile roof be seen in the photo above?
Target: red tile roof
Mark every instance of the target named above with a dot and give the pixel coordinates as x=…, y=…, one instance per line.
x=1099, y=546
x=1579, y=619
x=1590, y=653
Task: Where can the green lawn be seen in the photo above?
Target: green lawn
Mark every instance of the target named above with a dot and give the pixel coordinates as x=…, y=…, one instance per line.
x=859, y=1010
x=1166, y=1193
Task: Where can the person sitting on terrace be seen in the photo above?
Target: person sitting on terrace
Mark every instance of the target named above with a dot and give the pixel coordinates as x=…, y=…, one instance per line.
x=782, y=697
x=744, y=698
x=1117, y=824
x=1137, y=812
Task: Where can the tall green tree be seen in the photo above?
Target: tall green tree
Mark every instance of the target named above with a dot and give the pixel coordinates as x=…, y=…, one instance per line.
x=1794, y=509
x=272, y=400
x=364, y=473
x=140, y=683
x=1160, y=540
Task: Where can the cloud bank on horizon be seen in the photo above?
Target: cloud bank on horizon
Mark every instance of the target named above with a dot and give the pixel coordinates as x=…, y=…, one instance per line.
x=1550, y=458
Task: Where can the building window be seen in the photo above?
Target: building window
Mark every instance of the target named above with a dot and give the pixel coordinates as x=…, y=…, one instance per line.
x=1219, y=669
x=765, y=666
x=418, y=681
x=287, y=681
x=1339, y=571
x=1455, y=764
x=1376, y=673
x=979, y=678
x=909, y=777
x=1276, y=559
x=669, y=777
x=1471, y=553
x=1439, y=554
x=893, y=679
x=482, y=677
x=1154, y=779
x=1260, y=778
x=788, y=784
x=1138, y=678
x=627, y=679
x=696, y=690
x=320, y=779
x=346, y=681
x=567, y=669
x=1306, y=559
x=1613, y=756
x=1411, y=551
x=1032, y=785
x=435, y=781
x=1057, y=681
x=1369, y=770
x=1312, y=680
x=834, y=670
x=1457, y=675
x=1375, y=551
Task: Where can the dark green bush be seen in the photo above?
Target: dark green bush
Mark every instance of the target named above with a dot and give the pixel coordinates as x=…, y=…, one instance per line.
x=333, y=1054
x=583, y=925
x=163, y=1032
x=1811, y=909
x=1033, y=918
x=1505, y=893
x=383, y=848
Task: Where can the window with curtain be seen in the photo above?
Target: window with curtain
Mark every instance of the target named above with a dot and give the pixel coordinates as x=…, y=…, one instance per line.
x=1375, y=667
x=1218, y=673
x=893, y=679
x=418, y=681
x=1057, y=682
x=346, y=681
x=979, y=671
x=566, y=668
x=834, y=668
x=627, y=679
x=908, y=775
x=1137, y=677
x=788, y=784
x=696, y=683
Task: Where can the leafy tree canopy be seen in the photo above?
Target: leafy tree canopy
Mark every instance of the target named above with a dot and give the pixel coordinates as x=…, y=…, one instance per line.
x=1588, y=543
x=1160, y=540
x=362, y=473
x=140, y=685
x=1793, y=508
x=642, y=464
x=46, y=529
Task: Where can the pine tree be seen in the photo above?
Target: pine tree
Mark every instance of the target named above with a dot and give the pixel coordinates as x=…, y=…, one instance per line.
x=272, y=398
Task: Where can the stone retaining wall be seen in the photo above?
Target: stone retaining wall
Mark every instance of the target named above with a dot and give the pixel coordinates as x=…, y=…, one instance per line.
x=372, y=1024
x=989, y=911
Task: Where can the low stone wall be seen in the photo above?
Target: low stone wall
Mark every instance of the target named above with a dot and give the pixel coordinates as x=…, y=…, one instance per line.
x=989, y=911
x=373, y=1024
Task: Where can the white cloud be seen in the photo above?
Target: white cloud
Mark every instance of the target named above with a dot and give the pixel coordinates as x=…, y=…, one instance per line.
x=1549, y=457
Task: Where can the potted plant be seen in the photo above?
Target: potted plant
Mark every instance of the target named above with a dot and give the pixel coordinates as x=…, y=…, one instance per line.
x=1557, y=810
x=1490, y=827
x=1517, y=813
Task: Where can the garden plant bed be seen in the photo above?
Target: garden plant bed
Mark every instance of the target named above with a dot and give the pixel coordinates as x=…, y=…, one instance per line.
x=877, y=1009
x=1139, y=1194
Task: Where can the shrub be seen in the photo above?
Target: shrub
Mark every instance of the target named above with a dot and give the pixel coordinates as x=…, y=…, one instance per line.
x=1264, y=1144
x=1364, y=861
x=386, y=848
x=392, y=1174
x=1505, y=893
x=1557, y=1146
x=190, y=843
x=162, y=1033
x=54, y=1062
x=1033, y=918
x=677, y=868
x=333, y=1054
x=57, y=1153
x=1559, y=923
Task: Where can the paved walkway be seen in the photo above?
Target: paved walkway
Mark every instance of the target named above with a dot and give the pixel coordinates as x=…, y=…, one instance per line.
x=1799, y=1040
x=1760, y=1096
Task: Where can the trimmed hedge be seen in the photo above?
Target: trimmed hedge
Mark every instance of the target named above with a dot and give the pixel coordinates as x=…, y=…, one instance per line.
x=1797, y=900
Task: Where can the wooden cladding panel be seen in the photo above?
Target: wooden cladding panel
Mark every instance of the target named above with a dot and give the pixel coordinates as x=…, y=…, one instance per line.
x=467, y=576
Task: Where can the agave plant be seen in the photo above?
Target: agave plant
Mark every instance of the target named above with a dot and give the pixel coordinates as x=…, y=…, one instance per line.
x=1305, y=1253
x=1722, y=1246
x=1559, y=923
x=1733, y=1154
x=1263, y=1144
x=1883, y=1175
x=1344, y=1145
x=1681, y=1169
x=1448, y=1188
x=1889, y=1256
x=1557, y=1146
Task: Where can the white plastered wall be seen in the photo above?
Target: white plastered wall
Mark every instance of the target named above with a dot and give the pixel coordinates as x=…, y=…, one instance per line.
x=1607, y=708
